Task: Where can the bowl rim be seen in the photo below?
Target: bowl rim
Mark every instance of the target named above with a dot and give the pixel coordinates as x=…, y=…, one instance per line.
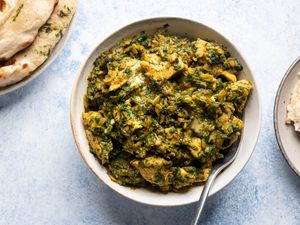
x=74, y=89
x=275, y=115
x=55, y=53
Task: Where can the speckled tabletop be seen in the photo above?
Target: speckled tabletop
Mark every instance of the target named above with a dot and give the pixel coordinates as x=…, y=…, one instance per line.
x=45, y=181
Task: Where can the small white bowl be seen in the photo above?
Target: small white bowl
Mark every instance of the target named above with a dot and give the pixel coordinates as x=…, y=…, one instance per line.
x=58, y=48
x=251, y=119
x=288, y=139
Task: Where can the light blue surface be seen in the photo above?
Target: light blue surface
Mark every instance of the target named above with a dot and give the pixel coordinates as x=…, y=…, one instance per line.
x=43, y=179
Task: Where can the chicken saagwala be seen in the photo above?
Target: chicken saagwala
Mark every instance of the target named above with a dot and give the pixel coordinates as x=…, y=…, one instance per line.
x=160, y=109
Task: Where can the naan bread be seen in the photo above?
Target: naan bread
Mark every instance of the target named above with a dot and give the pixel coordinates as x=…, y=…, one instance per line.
x=27, y=61
x=20, y=24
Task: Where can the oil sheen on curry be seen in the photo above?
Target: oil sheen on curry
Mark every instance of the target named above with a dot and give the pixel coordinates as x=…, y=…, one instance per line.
x=160, y=109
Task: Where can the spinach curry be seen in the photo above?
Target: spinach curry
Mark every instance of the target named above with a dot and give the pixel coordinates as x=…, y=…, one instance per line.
x=160, y=109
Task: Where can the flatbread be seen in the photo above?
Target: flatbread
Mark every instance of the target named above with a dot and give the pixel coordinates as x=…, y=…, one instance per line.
x=21, y=22
x=27, y=61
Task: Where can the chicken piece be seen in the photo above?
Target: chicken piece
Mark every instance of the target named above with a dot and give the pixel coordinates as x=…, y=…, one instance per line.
x=155, y=170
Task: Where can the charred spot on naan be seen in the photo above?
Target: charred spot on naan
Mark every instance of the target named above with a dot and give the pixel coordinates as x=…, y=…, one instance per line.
x=2, y=61
x=2, y=5
x=8, y=62
x=2, y=74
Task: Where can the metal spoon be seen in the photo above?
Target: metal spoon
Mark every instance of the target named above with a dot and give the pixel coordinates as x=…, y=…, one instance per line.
x=218, y=167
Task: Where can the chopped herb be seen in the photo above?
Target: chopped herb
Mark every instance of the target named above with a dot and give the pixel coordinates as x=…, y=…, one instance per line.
x=18, y=12
x=128, y=71
x=59, y=34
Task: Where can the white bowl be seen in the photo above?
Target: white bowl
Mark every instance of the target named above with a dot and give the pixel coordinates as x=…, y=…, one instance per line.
x=252, y=114
x=288, y=139
x=58, y=48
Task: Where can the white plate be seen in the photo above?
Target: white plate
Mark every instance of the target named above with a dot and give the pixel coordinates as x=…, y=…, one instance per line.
x=58, y=48
x=251, y=117
x=287, y=138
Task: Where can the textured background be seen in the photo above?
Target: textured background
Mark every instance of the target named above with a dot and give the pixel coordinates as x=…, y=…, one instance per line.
x=43, y=178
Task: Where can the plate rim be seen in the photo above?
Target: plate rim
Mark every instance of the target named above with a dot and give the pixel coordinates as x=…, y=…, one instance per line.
x=275, y=116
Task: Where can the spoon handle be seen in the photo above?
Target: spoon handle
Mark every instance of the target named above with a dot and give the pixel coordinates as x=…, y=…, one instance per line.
x=203, y=197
